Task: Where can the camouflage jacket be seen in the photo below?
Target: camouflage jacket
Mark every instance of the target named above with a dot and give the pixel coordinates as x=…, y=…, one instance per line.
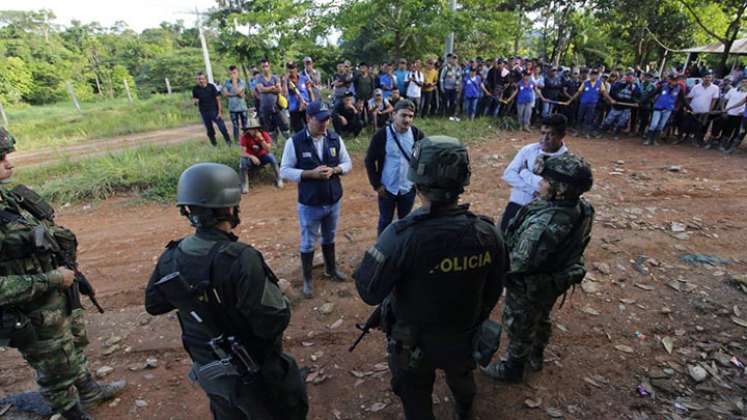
x=549, y=238
x=27, y=274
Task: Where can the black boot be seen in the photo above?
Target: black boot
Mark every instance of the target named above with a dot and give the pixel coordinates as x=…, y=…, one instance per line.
x=76, y=413
x=511, y=370
x=712, y=143
x=463, y=411
x=93, y=393
x=537, y=359
x=307, y=263
x=330, y=266
x=648, y=138
x=734, y=145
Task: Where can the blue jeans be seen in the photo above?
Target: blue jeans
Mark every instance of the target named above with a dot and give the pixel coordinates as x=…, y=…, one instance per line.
x=492, y=103
x=659, y=120
x=617, y=119
x=470, y=106
x=547, y=109
x=268, y=159
x=311, y=218
x=387, y=204
x=236, y=117
x=210, y=117
x=586, y=114
x=449, y=98
x=524, y=113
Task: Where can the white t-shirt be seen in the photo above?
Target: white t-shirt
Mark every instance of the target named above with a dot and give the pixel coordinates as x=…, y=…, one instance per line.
x=702, y=97
x=733, y=97
x=413, y=90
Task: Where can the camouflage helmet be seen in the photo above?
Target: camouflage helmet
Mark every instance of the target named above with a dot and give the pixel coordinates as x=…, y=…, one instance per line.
x=568, y=172
x=440, y=164
x=7, y=142
x=209, y=185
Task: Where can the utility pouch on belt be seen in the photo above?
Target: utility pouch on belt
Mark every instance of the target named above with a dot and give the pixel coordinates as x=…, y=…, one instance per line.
x=217, y=369
x=486, y=342
x=33, y=202
x=403, y=347
x=16, y=329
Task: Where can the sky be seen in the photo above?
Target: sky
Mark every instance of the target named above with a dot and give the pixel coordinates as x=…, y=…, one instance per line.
x=139, y=14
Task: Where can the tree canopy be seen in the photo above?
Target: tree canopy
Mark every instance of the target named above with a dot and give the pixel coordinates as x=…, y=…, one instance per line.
x=38, y=56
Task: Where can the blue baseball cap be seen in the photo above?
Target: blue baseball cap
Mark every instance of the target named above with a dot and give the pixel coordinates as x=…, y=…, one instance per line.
x=318, y=110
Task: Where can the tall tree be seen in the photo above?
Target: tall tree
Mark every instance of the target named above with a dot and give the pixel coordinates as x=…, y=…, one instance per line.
x=733, y=9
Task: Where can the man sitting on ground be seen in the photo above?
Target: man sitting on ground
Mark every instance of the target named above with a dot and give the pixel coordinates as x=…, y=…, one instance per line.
x=347, y=118
x=256, y=146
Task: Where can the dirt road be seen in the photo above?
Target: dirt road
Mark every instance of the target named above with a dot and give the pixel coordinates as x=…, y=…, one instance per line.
x=95, y=147
x=607, y=358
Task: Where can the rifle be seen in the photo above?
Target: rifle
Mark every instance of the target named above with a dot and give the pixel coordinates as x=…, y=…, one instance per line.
x=64, y=248
x=233, y=358
x=374, y=321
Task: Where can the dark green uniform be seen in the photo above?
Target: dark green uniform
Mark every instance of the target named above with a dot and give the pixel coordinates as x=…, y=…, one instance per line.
x=255, y=309
x=444, y=273
x=439, y=273
x=31, y=285
x=246, y=376
x=546, y=244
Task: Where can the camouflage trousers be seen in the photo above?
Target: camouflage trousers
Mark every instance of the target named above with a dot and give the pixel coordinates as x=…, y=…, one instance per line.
x=57, y=355
x=527, y=321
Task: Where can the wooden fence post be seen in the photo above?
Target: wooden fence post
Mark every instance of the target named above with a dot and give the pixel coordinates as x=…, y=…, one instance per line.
x=127, y=88
x=168, y=86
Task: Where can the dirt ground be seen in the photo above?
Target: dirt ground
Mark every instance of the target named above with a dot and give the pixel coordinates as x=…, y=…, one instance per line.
x=608, y=357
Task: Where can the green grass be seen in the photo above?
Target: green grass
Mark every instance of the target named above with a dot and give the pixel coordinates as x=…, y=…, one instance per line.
x=151, y=172
x=60, y=124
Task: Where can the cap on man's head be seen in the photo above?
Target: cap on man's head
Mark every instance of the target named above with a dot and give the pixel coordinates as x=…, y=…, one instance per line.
x=405, y=104
x=377, y=92
x=318, y=110
x=348, y=95
x=307, y=59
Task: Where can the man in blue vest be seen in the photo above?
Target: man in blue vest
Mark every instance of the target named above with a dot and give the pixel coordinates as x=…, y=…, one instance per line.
x=315, y=158
x=590, y=91
x=668, y=96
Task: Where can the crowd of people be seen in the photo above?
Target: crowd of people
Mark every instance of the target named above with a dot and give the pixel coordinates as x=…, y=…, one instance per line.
x=596, y=100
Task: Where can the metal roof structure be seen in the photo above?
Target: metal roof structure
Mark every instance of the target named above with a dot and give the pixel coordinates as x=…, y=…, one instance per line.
x=739, y=47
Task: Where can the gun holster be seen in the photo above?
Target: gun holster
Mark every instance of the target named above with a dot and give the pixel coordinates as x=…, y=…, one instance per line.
x=403, y=347
x=16, y=329
x=486, y=342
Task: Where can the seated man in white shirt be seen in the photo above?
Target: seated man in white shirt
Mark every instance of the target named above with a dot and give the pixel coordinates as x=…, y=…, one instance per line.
x=524, y=183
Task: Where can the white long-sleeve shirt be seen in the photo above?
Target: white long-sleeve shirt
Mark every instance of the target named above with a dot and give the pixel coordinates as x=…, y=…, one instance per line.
x=524, y=183
x=288, y=170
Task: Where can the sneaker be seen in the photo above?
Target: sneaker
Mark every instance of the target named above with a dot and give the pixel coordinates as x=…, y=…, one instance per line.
x=279, y=183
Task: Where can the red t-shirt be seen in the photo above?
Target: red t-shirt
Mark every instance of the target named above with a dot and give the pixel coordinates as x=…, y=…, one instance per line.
x=253, y=145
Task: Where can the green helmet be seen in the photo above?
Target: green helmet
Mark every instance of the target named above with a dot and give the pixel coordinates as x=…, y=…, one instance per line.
x=440, y=164
x=7, y=142
x=569, y=172
x=209, y=185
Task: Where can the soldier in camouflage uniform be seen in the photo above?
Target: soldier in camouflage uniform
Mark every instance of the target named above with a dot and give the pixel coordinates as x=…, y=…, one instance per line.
x=35, y=315
x=546, y=241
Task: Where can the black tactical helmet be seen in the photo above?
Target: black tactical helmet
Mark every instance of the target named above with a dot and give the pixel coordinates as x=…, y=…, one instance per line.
x=210, y=185
x=440, y=164
x=568, y=170
x=7, y=142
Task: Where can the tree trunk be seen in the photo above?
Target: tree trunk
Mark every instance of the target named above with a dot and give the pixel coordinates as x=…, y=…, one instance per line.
x=517, y=38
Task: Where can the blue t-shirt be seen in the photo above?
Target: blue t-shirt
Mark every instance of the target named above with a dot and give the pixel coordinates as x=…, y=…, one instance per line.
x=386, y=84
x=293, y=102
x=401, y=76
x=526, y=92
x=472, y=87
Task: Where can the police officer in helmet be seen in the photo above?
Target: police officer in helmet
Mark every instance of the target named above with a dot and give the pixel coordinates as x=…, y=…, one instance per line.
x=439, y=273
x=237, y=294
x=38, y=315
x=546, y=243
